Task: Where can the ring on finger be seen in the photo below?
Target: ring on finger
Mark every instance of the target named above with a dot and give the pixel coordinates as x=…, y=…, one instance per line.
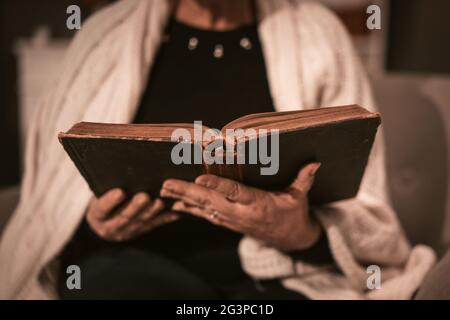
x=215, y=215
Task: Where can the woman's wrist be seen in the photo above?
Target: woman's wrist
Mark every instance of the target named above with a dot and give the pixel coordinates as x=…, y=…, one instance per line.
x=319, y=253
x=307, y=237
x=296, y=239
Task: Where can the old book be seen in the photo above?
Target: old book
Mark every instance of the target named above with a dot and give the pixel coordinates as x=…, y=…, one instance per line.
x=139, y=157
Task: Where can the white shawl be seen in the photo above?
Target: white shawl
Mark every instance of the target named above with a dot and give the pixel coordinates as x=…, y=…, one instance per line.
x=310, y=63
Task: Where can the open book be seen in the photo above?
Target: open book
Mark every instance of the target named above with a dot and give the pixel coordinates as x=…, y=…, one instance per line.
x=264, y=150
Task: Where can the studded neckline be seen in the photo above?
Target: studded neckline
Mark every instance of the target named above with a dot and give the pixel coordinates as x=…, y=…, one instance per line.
x=216, y=42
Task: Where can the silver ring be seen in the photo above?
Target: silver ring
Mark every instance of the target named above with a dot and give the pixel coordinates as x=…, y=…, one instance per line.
x=215, y=215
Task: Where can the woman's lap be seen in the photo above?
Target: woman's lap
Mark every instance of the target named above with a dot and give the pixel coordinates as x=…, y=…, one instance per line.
x=134, y=274
x=137, y=274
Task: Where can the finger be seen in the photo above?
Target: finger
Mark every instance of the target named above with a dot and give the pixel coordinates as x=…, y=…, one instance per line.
x=128, y=212
x=202, y=213
x=233, y=190
x=194, y=210
x=105, y=205
x=136, y=205
x=151, y=210
x=137, y=228
x=305, y=178
x=197, y=211
x=160, y=221
x=197, y=195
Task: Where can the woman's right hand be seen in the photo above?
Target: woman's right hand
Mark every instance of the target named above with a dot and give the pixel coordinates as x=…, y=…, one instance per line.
x=113, y=221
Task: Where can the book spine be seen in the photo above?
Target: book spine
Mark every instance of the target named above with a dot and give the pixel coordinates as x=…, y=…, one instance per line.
x=229, y=171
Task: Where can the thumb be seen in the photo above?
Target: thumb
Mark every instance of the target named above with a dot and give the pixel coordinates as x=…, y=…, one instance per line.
x=305, y=177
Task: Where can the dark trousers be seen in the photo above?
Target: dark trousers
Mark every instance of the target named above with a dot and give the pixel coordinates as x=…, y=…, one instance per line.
x=137, y=274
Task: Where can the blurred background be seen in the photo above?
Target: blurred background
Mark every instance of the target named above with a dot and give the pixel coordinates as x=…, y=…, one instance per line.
x=408, y=61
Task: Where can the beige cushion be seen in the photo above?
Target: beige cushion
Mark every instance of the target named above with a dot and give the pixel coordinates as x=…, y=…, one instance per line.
x=417, y=161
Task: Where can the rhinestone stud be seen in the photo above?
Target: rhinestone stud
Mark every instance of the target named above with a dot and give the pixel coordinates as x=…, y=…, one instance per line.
x=246, y=43
x=193, y=43
x=218, y=51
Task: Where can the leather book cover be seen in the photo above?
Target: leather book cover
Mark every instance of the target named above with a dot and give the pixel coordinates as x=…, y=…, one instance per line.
x=343, y=149
x=137, y=164
x=134, y=165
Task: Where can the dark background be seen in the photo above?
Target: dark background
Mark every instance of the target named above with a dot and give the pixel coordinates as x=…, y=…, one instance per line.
x=19, y=19
x=419, y=36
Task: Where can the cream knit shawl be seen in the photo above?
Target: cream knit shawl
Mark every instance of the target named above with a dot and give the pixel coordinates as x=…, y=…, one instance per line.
x=310, y=63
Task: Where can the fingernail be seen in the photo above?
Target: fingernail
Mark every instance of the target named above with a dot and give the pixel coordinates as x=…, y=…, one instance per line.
x=314, y=171
x=142, y=198
x=177, y=206
x=117, y=194
x=168, y=186
x=202, y=182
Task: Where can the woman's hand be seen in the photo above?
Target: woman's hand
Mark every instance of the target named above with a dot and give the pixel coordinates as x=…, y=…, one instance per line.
x=279, y=219
x=114, y=221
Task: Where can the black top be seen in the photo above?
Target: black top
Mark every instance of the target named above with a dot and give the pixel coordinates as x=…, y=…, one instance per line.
x=189, y=83
x=215, y=77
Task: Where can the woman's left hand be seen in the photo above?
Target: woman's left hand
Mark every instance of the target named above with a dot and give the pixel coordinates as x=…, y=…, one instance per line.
x=278, y=219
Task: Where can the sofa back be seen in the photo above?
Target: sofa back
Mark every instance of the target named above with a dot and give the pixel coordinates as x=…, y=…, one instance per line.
x=417, y=157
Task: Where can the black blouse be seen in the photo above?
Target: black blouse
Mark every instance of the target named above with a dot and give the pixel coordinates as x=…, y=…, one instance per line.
x=214, y=77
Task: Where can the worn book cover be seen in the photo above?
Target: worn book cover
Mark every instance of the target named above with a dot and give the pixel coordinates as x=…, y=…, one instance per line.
x=139, y=157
